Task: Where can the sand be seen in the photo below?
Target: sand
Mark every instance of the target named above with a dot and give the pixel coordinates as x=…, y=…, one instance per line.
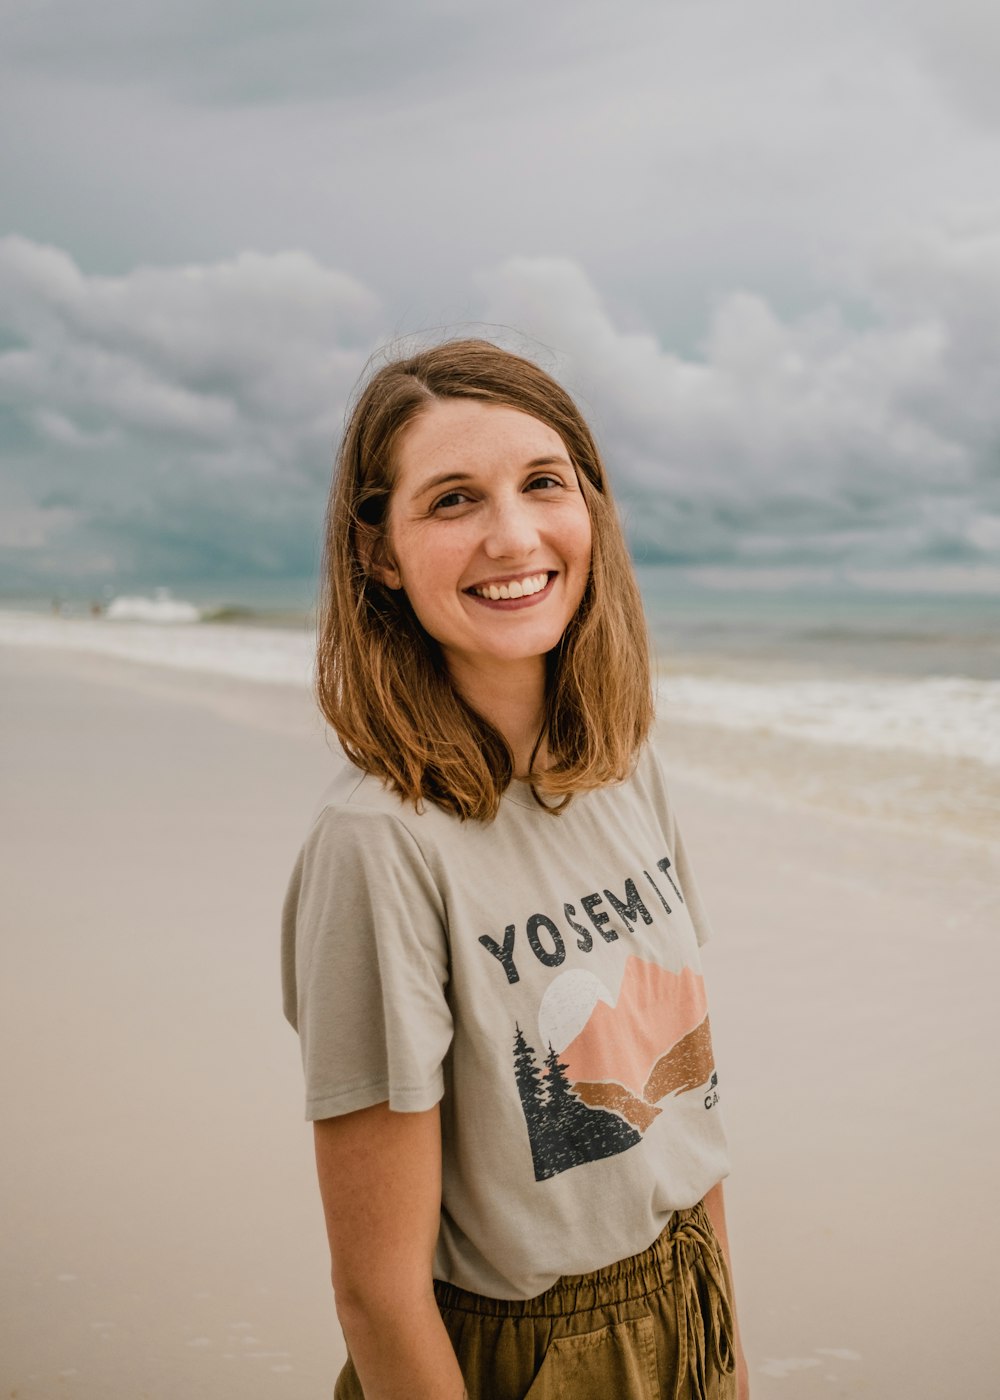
x=163, y=1233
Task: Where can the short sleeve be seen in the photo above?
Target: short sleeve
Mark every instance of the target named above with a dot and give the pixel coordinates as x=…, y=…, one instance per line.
x=365, y=966
x=685, y=874
x=689, y=888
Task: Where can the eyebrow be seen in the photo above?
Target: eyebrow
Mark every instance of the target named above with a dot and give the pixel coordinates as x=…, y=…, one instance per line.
x=446, y=478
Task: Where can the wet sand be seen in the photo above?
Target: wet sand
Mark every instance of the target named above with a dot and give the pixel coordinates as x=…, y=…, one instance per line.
x=164, y=1237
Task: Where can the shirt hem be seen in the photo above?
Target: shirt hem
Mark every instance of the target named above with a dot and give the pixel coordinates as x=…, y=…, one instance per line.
x=401, y=1099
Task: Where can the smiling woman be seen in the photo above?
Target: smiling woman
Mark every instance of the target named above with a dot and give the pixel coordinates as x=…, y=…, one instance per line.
x=493, y=555
x=463, y=471
x=518, y=1140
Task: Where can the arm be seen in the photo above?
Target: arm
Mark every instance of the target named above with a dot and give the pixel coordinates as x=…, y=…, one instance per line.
x=380, y=1180
x=715, y=1205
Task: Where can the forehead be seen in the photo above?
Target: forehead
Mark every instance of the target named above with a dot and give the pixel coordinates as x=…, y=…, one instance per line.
x=469, y=435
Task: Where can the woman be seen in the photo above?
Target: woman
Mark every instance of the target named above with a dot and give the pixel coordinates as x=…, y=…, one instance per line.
x=491, y=935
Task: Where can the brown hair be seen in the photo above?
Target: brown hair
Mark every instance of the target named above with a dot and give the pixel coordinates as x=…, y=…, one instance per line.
x=381, y=680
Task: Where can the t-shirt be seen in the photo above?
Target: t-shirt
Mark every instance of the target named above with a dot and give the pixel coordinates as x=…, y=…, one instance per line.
x=540, y=977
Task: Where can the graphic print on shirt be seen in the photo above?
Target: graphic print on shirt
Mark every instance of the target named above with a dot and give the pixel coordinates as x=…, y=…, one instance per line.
x=609, y=1061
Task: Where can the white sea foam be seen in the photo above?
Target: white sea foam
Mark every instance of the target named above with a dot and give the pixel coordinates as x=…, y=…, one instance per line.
x=264, y=654
x=940, y=716
x=161, y=607
x=947, y=716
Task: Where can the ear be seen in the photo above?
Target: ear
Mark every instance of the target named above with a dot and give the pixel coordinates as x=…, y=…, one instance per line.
x=375, y=557
x=388, y=575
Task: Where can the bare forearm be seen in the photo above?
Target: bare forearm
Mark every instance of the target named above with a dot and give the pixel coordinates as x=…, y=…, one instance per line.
x=380, y=1180
x=401, y=1352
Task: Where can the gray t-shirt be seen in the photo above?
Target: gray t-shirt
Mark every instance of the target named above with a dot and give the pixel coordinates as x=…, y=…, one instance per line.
x=539, y=976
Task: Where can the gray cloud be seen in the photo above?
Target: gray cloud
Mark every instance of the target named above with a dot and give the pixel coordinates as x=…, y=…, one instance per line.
x=174, y=420
x=957, y=44
x=279, y=51
x=676, y=150
x=232, y=52
x=796, y=440
x=179, y=421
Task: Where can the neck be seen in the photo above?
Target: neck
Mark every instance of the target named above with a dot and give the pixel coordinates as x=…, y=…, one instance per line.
x=512, y=700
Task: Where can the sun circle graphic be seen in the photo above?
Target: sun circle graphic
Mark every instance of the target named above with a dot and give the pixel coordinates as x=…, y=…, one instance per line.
x=567, y=1005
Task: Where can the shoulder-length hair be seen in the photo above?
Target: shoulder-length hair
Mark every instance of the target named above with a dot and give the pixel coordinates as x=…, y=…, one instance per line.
x=381, y=681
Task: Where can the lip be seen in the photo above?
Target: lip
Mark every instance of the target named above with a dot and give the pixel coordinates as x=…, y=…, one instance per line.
x=518, y=577
x=511, y=604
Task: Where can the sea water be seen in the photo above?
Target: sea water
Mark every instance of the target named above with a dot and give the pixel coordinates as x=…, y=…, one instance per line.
x=899, y=692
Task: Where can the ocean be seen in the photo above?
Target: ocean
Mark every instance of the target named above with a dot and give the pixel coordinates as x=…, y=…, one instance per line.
x=883, y=704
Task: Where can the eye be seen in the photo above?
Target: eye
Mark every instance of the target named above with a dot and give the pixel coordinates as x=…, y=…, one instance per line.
x=544, y=483
x=449, y=499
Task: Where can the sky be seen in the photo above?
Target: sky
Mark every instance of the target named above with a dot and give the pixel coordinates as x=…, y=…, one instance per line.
x=759, y=242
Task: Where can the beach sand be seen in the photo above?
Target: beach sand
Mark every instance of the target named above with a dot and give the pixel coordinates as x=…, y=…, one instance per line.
x=163, y=1235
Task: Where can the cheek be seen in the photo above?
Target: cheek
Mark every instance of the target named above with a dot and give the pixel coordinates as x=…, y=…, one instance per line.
x=583, y=539
x=583, y=559
x=429, y=567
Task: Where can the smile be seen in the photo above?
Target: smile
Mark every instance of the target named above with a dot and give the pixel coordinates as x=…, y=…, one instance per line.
x=512, y=588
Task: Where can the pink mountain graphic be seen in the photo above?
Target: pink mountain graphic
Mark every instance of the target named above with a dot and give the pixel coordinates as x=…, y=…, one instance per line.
x=655, y=1040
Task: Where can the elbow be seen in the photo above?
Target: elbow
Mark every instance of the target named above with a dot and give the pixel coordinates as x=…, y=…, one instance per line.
x=350, y=1298
x=371, y=1302
x=355, y=1318
x=357, y=1312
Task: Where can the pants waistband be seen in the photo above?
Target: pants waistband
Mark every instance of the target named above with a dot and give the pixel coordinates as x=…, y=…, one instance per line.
x=684, y=1266
x=619, y=1282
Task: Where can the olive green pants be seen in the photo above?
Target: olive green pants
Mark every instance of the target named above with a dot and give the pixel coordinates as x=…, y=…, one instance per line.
x=656, y=1326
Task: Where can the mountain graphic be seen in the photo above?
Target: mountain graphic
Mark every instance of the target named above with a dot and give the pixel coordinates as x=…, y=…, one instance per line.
x=655, y=1041
x=563, y=1131
x=619, y=1100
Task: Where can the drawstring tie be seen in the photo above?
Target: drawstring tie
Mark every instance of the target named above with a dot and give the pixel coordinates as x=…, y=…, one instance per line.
x=701, y=1299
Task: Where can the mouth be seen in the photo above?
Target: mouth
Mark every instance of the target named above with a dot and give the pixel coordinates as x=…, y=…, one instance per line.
x=522, y=586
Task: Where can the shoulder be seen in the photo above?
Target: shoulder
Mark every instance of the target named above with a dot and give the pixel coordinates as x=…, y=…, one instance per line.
x=650, y=781
x=359, y=825
x=350, y=787
x=363, y=795
x=361, y=874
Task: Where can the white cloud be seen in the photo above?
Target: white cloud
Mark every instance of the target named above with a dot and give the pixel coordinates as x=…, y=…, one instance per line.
x=143, y=401
x=677, y=150
x=254, y=354
x=202, y=352
x=793, y=436
x=186, y=415
x=65, y=433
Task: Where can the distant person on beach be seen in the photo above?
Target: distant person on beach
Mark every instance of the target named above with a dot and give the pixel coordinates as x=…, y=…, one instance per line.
x=491, y=938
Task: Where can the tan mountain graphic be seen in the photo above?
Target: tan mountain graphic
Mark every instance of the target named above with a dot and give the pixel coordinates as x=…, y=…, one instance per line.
x=655, y=1040
x=616, y=1097
x=686, y=1065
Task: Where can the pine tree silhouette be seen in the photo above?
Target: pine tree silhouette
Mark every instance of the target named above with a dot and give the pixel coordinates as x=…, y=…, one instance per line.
x=529, y=1086
x=560, y=1091
x=578, y=1133
x=562, y=1131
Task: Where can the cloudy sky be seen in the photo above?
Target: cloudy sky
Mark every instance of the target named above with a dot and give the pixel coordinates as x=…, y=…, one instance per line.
x=761, y=242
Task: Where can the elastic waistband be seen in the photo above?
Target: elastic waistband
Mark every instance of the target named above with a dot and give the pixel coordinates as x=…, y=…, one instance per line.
x=626, y=1279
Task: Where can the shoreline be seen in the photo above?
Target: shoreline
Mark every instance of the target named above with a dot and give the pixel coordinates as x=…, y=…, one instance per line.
x=765, y=752
x=948, y=799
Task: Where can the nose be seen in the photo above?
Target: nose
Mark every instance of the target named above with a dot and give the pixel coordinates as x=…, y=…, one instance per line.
x=512, y=532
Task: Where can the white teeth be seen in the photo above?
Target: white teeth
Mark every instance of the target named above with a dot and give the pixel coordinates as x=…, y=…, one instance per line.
x=517, y=588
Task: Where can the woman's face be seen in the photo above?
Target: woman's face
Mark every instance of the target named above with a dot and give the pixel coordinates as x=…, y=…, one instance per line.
x=488, y=534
